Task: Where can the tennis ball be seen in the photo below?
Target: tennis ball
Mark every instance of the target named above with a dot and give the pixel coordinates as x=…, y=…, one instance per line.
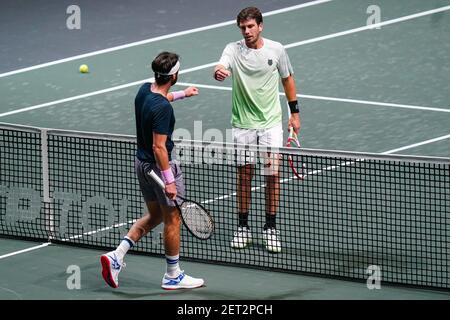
x=84, y=68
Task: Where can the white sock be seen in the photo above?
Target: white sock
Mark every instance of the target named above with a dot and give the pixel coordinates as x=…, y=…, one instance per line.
x=124, y=246
x=173, y=267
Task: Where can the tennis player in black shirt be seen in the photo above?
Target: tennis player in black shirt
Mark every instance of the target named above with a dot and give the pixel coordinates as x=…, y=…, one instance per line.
x=155, y=123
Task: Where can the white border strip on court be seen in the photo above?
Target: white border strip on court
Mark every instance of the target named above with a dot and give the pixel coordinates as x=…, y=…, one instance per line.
x=393, y=151
x=94, y=93
x=418, y=144
x=88, y=233
x=25, y=250
x=401, y=19
x=368, y=27
x=173, y=35
x=349, y=163
x=305, y=96
x=81, y=96
x=374, y=103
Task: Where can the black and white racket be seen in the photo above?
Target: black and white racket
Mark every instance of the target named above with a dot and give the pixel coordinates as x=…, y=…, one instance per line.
x=195, y=217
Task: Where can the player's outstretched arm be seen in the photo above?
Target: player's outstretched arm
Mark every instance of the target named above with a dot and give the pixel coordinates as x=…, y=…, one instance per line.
x=178, y=95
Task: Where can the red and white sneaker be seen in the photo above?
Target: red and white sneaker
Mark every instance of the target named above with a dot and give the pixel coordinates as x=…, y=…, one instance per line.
x=111, y=267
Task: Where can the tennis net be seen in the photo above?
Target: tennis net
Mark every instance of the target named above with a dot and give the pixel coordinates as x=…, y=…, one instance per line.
x=353, y=212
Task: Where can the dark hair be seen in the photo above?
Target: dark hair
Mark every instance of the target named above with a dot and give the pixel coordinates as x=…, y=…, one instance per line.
x=162, y=65
x=249, y=13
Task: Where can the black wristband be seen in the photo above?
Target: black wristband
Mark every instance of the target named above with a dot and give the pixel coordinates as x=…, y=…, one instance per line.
x=293, y=106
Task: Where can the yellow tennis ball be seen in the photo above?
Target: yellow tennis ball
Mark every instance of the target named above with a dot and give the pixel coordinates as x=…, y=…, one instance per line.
x=84, y=68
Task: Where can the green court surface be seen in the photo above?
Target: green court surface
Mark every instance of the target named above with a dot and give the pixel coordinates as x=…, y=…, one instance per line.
x=378, y=90
x=44, y=274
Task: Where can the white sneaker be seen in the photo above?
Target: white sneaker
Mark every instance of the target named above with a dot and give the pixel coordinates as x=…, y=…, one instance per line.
x=183, y=281
x=242, y=238
x=271, y=238
x=111, y=267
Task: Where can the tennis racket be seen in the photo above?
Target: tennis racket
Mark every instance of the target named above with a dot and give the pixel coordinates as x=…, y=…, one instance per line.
x=195, y=217
x=296, y=166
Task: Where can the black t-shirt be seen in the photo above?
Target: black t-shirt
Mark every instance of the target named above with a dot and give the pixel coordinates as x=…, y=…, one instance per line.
x=154, y=113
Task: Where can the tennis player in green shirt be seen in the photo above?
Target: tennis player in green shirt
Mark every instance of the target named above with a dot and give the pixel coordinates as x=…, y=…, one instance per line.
x=256, y=65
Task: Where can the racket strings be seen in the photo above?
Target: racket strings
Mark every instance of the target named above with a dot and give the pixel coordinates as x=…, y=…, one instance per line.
x=197, y=219
x=292, y=140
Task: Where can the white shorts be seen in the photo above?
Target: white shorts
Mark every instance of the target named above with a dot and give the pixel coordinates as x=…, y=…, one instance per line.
x=271, y=137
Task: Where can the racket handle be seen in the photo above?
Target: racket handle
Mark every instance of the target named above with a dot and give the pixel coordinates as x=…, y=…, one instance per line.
x=291, y=131
x=157, y=179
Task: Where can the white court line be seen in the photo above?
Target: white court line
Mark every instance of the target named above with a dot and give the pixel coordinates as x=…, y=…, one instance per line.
x=417, y=144
x=375, y=103
x=172, y=35
x=81, y=96
x=94, y=93
x=393, y=151
x=117, y=225
x=369, y=27
x=68, y=239
x=305, y=96
x=24, y=250
x=43, y=105
x=90, y=94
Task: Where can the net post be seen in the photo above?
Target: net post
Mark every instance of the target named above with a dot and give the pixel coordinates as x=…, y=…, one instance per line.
x=49, y=215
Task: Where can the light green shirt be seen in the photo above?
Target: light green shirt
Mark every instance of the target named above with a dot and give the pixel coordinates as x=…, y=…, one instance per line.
x=256, y=76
